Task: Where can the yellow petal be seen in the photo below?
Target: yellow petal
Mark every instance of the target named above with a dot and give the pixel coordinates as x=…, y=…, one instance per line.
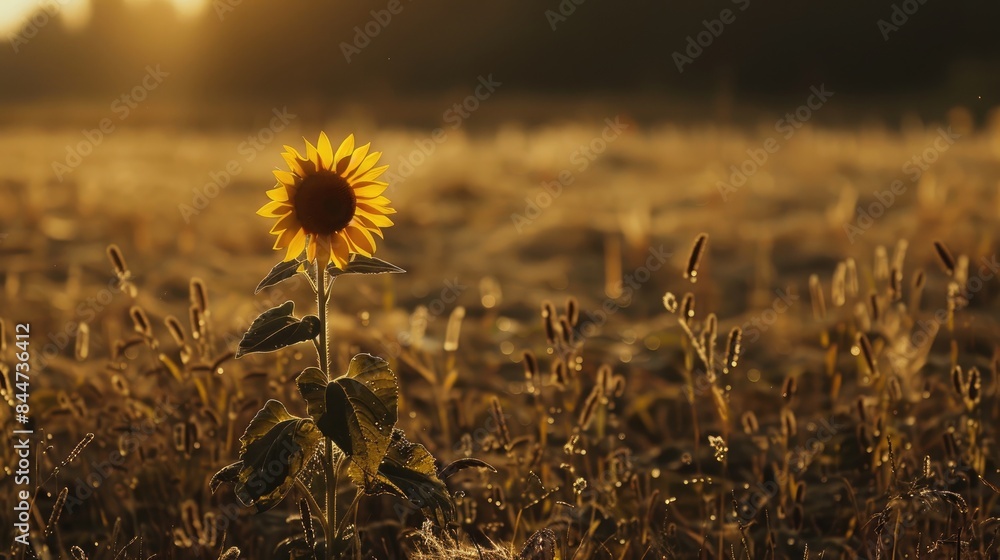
x=312, y=154
x=345, y=166
x=365, y=165
x=284, y=238
x=284, y=177
x=294, y=163
x=311, y=249
x=372, y=173
x=361, y=239
x=370, y=190
x=303, y=162
x=293, y=152
x=274, y=209
x=346, y=149
x=358, y=184
x=379, y=201
x=278, y=194
x=340, y=253
x=325, y=151
x=365, y=222
x=288, y=221
x=373, y=209
x=375, y=218
x=296, y=245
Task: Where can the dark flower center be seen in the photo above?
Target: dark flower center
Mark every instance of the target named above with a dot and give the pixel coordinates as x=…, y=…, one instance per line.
x=324, y=203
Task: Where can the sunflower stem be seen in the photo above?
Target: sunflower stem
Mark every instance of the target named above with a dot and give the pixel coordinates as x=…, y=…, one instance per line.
x=332, y=484
x=351, y=514
x=312, y=283
x=329, y=466
x=322, y=298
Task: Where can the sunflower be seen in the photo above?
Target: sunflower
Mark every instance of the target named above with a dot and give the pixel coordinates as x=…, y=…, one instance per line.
x=328, y=203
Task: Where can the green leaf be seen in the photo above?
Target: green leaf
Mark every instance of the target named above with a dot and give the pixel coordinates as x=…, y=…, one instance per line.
x=374, y=372
x=358, y=410
x=361, y=264
x=281, y=272
x=276, y=328
x=358, y=422
x=229, y=473
x=312, y=385
x=462, y=464
x=273, y=450
x=408, y=471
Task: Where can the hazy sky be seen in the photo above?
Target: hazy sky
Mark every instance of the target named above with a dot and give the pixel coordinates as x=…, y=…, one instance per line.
x=239, y=49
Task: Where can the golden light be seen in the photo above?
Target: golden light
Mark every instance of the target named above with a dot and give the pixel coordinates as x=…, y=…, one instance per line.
x=186, y=8
x=18, y=16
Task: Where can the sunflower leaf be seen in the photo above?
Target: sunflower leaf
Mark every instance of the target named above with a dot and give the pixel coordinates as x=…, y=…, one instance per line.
x=229, y=473
x=312, y=384
x=273, y=450
x=294, y=547
x=276, y=328
x=361, y=264
x=462, y=464
x=358, y=410
x=408, y=471
x=375, y=374
x=358, y=422
x=281, y=272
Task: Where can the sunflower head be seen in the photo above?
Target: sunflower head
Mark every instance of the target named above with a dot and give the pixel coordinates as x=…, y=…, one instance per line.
x=328, y=203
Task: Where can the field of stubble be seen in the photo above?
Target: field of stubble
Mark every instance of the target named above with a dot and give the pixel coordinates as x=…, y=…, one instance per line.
x=860, y=426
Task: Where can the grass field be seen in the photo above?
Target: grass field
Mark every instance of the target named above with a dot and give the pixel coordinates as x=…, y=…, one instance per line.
x=859, y=420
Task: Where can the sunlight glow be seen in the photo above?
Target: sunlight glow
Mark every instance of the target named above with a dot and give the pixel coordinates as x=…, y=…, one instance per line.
x=186, y=8
x=15, y=15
